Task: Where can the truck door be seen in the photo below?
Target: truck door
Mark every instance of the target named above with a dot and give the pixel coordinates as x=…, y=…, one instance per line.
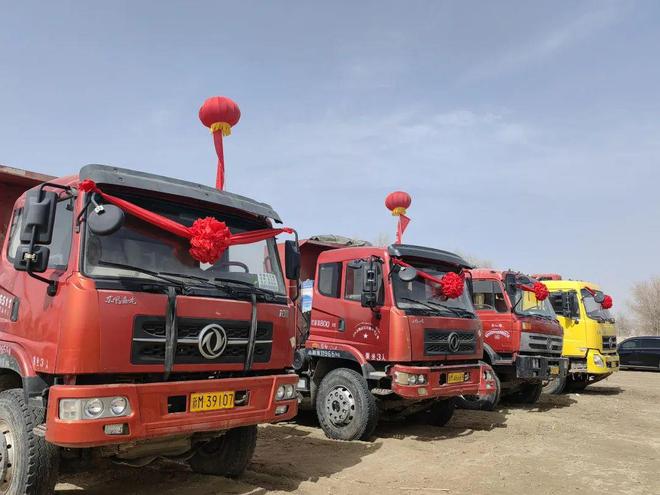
x=575, y=337
x=327, y=319
x=366, y=329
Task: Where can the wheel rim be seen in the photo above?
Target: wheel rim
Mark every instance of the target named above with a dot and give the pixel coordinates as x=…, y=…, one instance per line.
x=6, y=456
x=340, y=406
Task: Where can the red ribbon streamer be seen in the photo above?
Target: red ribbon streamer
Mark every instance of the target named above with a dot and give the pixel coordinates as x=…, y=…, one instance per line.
x=209, y=237
x=451, y=284
x=539, y=289
x=607, y=300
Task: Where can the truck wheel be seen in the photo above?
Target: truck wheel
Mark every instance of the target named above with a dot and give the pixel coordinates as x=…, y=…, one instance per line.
x=481, y=403
x=555, y=386
x=28, y=464
x=528, y=393
x=227, y=455
x=346, y=408
x=442, y=411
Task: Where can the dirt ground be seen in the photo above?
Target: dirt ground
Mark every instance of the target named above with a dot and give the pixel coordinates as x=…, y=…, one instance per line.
x=601, y=441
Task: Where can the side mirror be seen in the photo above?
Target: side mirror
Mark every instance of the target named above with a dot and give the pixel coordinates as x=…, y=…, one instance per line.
x=599, y=296
x=569, y=306
x=510, y=284
x=407, y=273
x=372, y=284
x=37, y=257
x=291, y=260
x=105, y=220
x=39, y=217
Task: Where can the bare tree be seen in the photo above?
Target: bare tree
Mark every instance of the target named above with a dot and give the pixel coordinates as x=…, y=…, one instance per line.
x=476, y=261
x=625, y=326
x=645, y=306
x=383, y=239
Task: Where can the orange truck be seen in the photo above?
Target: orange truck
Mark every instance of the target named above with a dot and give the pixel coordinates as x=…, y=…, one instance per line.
x=114, y=339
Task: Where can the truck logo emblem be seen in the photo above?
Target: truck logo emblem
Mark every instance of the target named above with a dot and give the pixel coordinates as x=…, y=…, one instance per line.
x=212, y=341
x=548, y=344
x=612, y=342
x=453, y=342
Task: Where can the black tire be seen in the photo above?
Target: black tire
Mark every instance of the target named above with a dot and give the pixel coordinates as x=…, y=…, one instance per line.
x=442, y=411
x=555, y=386
x=28, y=464
x=227, y=455
x=346, y=409
x=528, y=393
x=481, y=403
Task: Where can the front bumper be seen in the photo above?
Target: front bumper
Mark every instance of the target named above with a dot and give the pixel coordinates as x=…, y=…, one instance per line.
x=479, y=379
x=149, y=416
x=540, y=367
x=610, y=362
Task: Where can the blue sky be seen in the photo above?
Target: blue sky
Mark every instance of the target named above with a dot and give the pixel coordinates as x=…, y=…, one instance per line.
x=528, y=133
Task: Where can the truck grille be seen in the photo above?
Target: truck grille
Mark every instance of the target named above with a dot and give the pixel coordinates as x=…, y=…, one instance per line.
x=539, y=343
x=148, y=346
x=609, y=343
x=438, y=342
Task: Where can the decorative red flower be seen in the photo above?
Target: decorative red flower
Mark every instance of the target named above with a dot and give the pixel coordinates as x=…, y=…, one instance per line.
x=540, y=291
x=210, y=238
x=452, y=285
x=607, y=302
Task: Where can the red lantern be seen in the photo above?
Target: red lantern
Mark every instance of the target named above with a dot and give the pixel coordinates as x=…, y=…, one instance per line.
x=397, y=202
x=219, y=114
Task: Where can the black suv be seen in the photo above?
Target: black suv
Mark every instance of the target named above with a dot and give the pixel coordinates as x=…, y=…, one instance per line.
x=640, y=352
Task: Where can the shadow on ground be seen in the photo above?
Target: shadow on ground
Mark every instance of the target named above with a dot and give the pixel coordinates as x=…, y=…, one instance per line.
x=601, y=390
x=286, y=456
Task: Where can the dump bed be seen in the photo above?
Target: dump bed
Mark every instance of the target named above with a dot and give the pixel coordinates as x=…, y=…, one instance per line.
x=13, y=182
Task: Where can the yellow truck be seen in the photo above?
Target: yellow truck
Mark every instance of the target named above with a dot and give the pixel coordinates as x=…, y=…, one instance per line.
x=589, y=332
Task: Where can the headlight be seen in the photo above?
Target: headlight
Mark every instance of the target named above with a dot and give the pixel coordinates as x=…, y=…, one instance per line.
x=421, y=379
x=118, y=406
x=598, y=360
x=279, y=395
x=93, y=408
x=289, y=391
x=412, y=379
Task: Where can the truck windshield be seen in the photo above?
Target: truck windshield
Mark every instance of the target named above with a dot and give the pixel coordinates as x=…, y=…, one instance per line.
x=594, y=310
x=143, y=245
x=421, y=296
x=526, y=304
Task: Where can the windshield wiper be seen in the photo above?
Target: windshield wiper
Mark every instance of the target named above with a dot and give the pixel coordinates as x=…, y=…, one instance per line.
x=460, y=312
x=247, y=286
x=151, y=273
x=437, y=307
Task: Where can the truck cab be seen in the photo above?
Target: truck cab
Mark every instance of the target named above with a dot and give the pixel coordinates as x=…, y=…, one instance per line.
x=522, y=337
x=376, y=337
x=590, y=341
x=113, y=338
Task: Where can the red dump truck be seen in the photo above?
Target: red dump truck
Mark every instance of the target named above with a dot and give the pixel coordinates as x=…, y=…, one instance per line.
x=522, y=337
x=377, y=335
x=115, y=340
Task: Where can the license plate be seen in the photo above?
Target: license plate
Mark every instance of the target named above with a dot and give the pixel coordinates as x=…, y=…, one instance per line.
x=455, y=377
x=211, y=401
x=554, y=370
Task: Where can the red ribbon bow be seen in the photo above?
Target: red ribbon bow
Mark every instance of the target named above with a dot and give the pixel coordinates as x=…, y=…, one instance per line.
x=607, y=300
x=539, y=289
x=209, y=237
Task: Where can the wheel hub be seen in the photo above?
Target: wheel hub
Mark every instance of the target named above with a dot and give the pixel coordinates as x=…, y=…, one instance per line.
x=7, y=450
x=340, y=406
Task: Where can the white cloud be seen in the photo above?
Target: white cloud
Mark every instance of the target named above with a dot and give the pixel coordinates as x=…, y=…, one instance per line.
x=561, y=37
